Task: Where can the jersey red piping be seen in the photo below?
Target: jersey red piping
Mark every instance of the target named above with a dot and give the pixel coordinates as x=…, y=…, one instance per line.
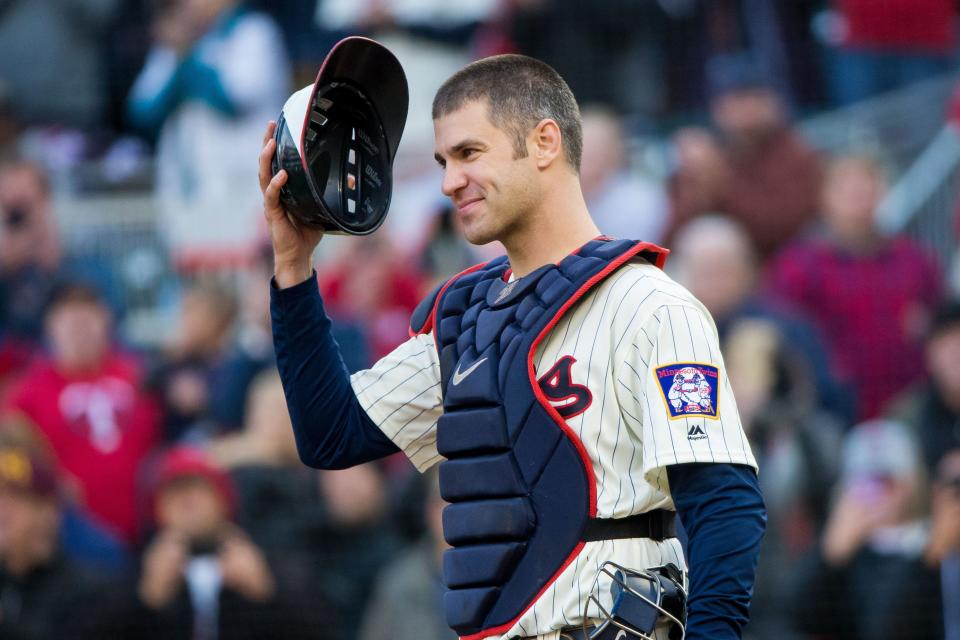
x=661, y=259
x=551, y=410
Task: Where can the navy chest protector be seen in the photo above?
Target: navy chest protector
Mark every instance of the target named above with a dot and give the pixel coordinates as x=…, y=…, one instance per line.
x=519, y=482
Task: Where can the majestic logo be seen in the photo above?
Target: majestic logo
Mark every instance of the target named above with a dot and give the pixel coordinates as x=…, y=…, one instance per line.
x=459, y=376
x=568, y=398
x=695, y=432
x=689, y=389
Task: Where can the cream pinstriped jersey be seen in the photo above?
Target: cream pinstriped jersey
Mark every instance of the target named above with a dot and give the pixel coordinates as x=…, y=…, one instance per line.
x=634, y=340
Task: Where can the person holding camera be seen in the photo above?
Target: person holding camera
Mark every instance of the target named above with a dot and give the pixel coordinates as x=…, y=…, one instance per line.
x=31, y=250
x=34, y=258
x=868, y=579
x=201, y=576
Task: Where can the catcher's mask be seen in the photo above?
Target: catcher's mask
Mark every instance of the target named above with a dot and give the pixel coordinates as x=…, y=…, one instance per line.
x=337, y=139
x=643, y=602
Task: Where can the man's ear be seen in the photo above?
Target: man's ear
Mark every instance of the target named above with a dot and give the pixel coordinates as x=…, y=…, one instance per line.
x=547, y=142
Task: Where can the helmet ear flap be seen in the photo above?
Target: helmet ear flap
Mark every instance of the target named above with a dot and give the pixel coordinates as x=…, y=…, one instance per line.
x=642, y=602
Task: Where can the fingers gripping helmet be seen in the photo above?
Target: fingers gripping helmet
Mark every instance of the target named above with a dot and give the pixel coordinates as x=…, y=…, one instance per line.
x=338, y=137
x=644, y=604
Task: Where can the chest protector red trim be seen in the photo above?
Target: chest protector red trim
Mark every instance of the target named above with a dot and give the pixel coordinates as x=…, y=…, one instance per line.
x=520, y=484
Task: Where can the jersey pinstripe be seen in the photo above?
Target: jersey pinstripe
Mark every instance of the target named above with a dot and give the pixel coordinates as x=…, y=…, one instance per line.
x=623, y=337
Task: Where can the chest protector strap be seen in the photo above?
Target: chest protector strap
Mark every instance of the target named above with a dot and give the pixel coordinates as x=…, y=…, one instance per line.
x=521, y=487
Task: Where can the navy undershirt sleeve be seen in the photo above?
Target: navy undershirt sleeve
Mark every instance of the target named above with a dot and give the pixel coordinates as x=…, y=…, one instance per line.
x=722, y=512
x=331, y=428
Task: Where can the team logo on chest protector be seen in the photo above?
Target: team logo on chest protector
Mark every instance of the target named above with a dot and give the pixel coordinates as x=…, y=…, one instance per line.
x=689, y=389
x=568, y=398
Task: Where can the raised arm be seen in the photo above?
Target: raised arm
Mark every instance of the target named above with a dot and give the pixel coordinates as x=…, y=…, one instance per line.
x=332, y=429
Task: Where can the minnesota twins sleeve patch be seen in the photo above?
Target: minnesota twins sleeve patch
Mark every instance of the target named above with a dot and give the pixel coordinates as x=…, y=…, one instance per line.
x=689, y=389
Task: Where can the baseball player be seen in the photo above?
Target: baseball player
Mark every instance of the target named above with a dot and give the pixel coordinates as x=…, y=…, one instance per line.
x=573, y=395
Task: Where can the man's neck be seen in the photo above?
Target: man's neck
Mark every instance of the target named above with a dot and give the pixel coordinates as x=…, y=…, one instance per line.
x=560, y=226
x=71, y=369
x=863, y=243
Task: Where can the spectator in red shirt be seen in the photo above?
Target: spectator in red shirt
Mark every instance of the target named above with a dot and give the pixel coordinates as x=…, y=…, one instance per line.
x=202, y=576
x=871, y=296
x=881, y=45
x=85, y=398
x=756, y=168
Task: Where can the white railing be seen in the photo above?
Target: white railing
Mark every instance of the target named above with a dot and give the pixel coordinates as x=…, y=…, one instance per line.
x=908, y=131
x=895, y=126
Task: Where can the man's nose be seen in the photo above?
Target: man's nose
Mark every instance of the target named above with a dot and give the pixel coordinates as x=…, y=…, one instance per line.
x=454, y=179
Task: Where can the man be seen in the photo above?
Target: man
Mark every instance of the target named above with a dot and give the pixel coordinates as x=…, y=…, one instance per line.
x=190, y=374
x=32, y=252
x=43, y=594
x=201, y=576
x=562, y=450
x=212, y=73
x=870, y=295
x=755, y=167
x=87, y=400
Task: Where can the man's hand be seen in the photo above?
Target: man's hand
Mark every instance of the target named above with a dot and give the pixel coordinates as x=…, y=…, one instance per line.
x=863, y=508
x=163, y=565
x=245, y=569
x=945, y=531
x=292, y=245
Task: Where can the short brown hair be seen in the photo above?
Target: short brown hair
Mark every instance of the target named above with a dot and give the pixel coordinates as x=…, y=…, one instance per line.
x=520, y=92
x=80, y=292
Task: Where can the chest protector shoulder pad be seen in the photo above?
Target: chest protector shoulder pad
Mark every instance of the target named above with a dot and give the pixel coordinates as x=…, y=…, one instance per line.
x=519, y=482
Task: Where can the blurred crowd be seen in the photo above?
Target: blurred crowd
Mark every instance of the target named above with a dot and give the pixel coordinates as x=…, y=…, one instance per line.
x=149, y=481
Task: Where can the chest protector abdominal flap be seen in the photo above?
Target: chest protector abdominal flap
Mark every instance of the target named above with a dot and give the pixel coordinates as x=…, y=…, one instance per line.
x=520, y=485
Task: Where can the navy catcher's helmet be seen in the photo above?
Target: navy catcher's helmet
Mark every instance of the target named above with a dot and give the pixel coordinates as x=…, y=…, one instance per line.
x=337, y=139
x=644, y=603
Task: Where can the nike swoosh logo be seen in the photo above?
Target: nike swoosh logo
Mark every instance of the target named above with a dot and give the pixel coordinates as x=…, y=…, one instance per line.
x=459, y=377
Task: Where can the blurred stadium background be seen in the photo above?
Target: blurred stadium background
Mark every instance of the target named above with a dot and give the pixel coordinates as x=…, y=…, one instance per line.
x=799, y=157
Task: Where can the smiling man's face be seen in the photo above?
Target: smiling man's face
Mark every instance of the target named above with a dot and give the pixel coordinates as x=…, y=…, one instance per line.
x=491, y=188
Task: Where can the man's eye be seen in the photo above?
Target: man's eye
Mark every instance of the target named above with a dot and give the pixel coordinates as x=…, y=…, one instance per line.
x=469, y=152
